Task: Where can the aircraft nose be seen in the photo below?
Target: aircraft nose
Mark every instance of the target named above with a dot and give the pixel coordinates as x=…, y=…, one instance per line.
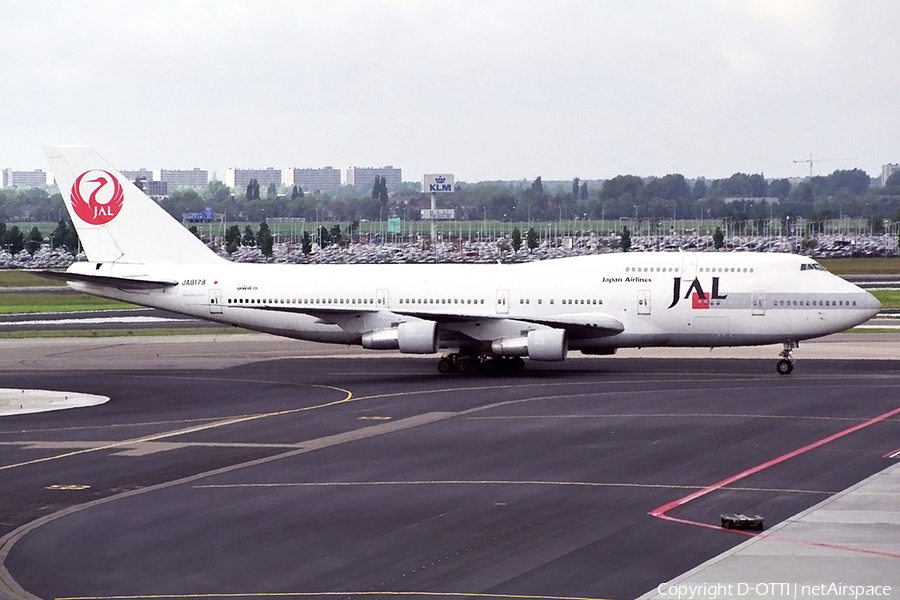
x=873, y=306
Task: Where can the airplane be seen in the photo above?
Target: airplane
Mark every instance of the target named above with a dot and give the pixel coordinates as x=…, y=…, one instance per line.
x=487, y=317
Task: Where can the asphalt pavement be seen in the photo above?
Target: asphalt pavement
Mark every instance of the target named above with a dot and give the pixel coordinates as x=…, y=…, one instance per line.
x=285, y=473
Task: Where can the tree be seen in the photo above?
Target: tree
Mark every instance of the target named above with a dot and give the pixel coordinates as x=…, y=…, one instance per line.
x=576, y=185
x=383, y=193
x=698, y=192
x=893, y=180
x=296, y=192
x=324, y=236
x=376, y=188
x=232, y=239
x=305, y=243
x=779, y=188
x=516, y=239
x=253, y=190
x=265, y=239
x=271, y=191
x=15, y=240
x=856, y=181
x=625, y=240
x=35, y=239
x=65, y=236
x=538, y=186
x=531, y=239
x=718, y=238
x=620, y=185
x=215, y=191
x=337, y=238
x=380, y=193
x=249, y=238
x=584, y=191
x=193, y=229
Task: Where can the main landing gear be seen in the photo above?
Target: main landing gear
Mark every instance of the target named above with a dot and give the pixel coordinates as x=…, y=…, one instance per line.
x=479, y=363
x=786, y=364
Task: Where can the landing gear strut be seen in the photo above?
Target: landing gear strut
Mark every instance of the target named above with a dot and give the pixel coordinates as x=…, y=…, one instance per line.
x=786, y=364
x=479, y=363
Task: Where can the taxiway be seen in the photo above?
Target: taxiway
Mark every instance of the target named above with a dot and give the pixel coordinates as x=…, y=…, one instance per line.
x=261, y=466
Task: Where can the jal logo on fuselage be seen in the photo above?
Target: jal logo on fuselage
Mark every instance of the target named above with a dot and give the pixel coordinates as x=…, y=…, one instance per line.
x=97, y=197
x=701, y=298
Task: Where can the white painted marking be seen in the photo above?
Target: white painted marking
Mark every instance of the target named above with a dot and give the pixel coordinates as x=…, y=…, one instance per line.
x=92, y=321
x=21, y=402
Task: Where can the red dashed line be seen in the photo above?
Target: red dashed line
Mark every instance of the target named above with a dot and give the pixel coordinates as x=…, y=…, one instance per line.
x=660, y=512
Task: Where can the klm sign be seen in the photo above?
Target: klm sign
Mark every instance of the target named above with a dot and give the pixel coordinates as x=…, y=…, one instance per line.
x=437, y=183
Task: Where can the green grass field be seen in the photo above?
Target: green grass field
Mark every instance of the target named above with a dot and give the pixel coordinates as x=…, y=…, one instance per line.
x=104, y=333
x=26, y=302
x=888, y=298
x=862, y=266
x=13, y=278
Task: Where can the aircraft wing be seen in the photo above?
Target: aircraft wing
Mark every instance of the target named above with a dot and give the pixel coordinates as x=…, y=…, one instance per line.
x=585, y=325
x=121, y=283
x=358, y=319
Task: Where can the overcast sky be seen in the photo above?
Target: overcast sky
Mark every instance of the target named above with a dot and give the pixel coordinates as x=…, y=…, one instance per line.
x=485, y=90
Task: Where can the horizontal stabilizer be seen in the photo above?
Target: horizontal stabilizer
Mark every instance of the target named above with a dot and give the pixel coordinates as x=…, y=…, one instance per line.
x=122, y=283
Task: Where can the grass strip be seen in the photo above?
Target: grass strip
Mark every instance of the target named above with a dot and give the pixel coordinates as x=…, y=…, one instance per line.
x=36, y=302
x=862, y=266
x=107, y=333
x=888, y=298
x=15, y=278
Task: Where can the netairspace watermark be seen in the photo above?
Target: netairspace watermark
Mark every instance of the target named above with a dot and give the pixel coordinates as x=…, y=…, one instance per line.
x=795, y=591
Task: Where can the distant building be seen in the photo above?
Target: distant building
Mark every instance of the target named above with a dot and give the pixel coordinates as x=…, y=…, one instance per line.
x=239, y=178
x=365, y=176
x=888, y=170
x=176, y=178
x=324, y=179
x=157, y=188
x=136, y=174
x=36, y=178
x=150, y=187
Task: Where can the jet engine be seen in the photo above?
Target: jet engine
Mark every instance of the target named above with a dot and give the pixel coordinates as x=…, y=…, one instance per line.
x=539, y=344
x=411, y=337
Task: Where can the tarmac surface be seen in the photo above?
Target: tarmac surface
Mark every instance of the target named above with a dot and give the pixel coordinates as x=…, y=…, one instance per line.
x=251, y=466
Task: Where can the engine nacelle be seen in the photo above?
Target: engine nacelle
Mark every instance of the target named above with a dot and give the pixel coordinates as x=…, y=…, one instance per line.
x=540, y=344
x=412, y=337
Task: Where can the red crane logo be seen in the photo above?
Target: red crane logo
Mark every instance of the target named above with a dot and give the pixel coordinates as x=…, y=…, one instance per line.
x=104, y=197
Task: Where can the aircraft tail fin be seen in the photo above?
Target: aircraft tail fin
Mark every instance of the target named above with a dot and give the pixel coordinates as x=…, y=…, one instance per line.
x=115, y=220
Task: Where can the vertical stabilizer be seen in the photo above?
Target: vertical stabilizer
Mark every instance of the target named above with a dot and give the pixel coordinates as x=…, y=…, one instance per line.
x=115, y=220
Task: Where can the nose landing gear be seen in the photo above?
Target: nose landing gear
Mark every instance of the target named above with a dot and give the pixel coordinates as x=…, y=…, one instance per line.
x=786, y=364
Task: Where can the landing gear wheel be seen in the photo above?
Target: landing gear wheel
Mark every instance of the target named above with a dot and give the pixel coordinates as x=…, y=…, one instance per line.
x=785, y=367
x=516, y=364
x=786, y=364
x=462, y=365
x=445, y=365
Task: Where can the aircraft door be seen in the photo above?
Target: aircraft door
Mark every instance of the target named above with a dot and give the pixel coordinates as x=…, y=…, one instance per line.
x=215, y=302
x=382, y=299
x=643, y=302
x=758, y=303
x=502, y=304
x=689, y=267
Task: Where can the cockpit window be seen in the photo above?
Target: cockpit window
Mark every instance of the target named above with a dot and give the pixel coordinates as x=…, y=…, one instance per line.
x=812, y=267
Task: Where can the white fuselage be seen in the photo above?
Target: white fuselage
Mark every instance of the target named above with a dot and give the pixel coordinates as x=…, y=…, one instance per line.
x=654, y=299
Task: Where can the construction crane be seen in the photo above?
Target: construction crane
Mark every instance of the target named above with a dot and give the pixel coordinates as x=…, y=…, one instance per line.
x=812, y=160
